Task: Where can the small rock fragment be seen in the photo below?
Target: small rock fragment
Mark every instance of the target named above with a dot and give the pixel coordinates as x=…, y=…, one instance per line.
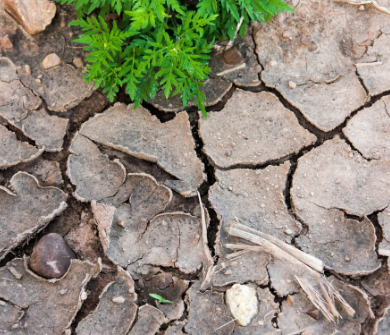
x=84, y=295
x=314, y=314
x=149, y=321
x=243, y=303
x=121, y=223
x=291, y=84
x=6, y=43
x=232, y=56
x=27, y=69
x=78, y=62
x=34, y=15
x=51, y=257
x=50, y=61
x=118, y=300
x=16, y=274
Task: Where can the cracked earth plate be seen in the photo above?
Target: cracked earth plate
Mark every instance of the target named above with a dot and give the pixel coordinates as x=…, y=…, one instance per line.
x=259, y=130
x=331, y=182
x=140, y=134
x=25, y=209
x=49, y=306
x=149, y=321
x=134, y=235
x=112, y=315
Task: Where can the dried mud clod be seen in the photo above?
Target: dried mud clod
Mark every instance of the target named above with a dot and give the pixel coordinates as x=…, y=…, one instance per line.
x=255, y=198
x=259, y=130
x=36, y=205
x=140, y=134
x=116, y=311
x=324, y=189
x=148, y=322
x=208, y=314
x=369, y=130
x=309, y=57
x=48, y=306
x=134, y=235
x=383, y=327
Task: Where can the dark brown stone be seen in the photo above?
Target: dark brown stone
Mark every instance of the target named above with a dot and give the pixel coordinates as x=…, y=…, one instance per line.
x=232, y=57
x=51, y=256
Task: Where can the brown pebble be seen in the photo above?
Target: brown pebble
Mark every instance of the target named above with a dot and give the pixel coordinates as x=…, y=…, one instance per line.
x=232, y=57
x=6, y=43
x=314, y=314
x=121, y=223
x=78, y=62
x=51, y=256
x=305, y=41
x=27, y=69
x=313, y=46
x=50, y=61
x=290, y=300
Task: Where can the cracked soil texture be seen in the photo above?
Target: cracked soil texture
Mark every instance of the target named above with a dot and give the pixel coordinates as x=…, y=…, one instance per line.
x=296, y=149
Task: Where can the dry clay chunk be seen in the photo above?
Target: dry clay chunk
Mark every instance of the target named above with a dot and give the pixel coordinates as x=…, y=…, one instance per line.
x=255, y=198
x=376, y=74
x=62, y=87
x=259, y=130
x=247, y=76
x=93, y=174
x=49, y=305
x=208, y=312
x=294, y=317
x=9, y=316
x=149, y=321
x=140, y=134
x=26, y=209
x=383, y=327
x=262, y=323
x=169, y=287
x=214, y=89
x=34, y=15
x=175, y=329
x=369, y=130
x=13, y=151
x=306, y=57
x=116, y=310
x=133, y=234
x=330, y=180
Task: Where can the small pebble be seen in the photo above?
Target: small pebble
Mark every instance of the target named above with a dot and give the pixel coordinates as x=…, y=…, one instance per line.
x=314, y=314
x=350, y=155
x=50, y=61
x=230, y=188
x=38, y=81
x=121, y=223
x=272, y=63
x=6, y=43
x=78, y=62
x=2, y=303
x=51, y=257
x=232, y=57
x=228, y=272
x=228, y=153
x=15, y=273
x=290, y=300
x=84, y=296
x=288, y=231
x=361, y=7
x=27, y=69
x=286, y=34
x=347, y=259
x=292, y=85
x=337, y=181
x=63, y=291
x=118, y=300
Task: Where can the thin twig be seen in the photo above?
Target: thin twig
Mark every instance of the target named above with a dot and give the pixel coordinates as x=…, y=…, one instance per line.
x=239, y=67
x=367, y=2
x=226, y=324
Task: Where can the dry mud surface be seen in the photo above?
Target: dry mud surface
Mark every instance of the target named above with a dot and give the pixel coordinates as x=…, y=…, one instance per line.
x=296, y=151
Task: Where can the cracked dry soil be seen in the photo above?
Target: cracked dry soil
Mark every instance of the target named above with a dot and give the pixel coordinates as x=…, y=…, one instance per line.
x=296, y=146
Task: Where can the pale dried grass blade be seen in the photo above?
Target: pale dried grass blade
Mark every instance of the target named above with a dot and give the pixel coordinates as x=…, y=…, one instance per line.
x=367, y=2
x=334, y=293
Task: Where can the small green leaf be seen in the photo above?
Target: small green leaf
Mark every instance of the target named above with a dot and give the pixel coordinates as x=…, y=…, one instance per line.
x=160, y=299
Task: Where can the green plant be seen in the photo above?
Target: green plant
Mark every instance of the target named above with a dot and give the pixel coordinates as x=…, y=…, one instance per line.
x=160, y=299
x=161, y=44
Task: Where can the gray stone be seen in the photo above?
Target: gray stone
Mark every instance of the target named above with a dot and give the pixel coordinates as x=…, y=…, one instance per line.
x=369, y=130
x=140, y=134
x=208, y=312
x=256, y=199
x=149, y=321
x=376, y=77
x=13, y=151
x=49, y=305
x=33, y=15
x=110, y=317
x=27, y=209
x=93, y=173
x=214, y=89
x=318, y=56
x=330, y=180
x=243, y=303
x=259, y=130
